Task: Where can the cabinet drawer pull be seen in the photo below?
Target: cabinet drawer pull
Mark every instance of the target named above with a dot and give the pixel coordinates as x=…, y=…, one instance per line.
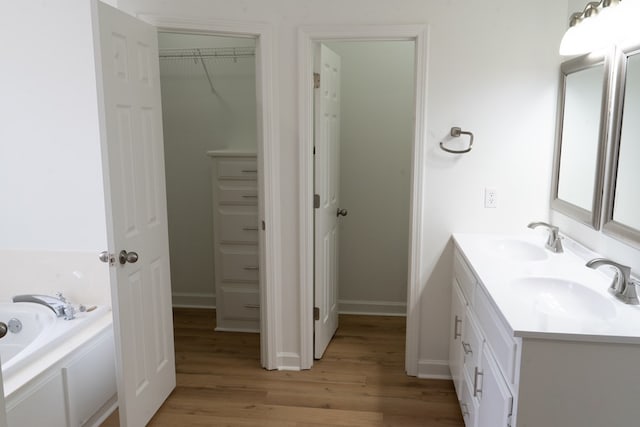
x=249, y=171
x=249, y=196
x=467, y=348
x=251, y=268
x=456, y=331
x=252, y=306
x=249, y=228
x=477, y=373
x=465, y=409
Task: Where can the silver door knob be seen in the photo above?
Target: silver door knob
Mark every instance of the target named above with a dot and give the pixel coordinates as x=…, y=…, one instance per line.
x=104, y=256
x=341, y=212
x=127, y=257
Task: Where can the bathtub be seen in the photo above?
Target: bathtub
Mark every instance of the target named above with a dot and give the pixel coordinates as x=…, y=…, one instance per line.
x=65, y=366
x=43, y=339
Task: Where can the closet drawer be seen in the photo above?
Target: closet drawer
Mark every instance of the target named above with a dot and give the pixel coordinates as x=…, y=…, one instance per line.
x=238, y=168
x=237, y=226
x=239, y=264
x=464, y=276
x=234, y=193
x=496, y=334
x=239, y=303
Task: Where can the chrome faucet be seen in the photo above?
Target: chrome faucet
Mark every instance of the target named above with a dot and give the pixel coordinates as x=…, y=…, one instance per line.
x=59, y=304
x=623, y=287
x=554, y=244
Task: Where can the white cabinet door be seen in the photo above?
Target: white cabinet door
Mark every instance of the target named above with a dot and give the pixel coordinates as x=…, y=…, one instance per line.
x=131, y=129
x=455, y=336
x=496, y=401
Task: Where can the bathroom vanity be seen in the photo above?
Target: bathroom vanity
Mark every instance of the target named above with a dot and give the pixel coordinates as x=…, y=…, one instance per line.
x=536, y=339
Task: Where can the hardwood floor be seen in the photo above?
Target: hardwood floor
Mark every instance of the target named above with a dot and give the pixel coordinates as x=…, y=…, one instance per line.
x=360, y=381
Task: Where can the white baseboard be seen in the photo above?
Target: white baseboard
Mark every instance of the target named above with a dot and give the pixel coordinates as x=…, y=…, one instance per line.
x=434, y=369
x=372, y=308
x=288, y=361
x=193, y=300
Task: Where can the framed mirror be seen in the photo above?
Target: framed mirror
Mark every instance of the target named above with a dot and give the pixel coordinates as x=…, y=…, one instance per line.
x=622, y=213
x=578, y=171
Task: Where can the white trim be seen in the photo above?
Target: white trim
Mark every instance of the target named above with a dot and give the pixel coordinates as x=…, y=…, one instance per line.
x=268, y=163
x=288, y=361
x=417, y=276
x=193, y=300
x=372, y=308
x=434, y=369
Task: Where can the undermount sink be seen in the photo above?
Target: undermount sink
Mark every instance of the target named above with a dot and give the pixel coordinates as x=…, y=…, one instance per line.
x=564, y=298
x=516, y=250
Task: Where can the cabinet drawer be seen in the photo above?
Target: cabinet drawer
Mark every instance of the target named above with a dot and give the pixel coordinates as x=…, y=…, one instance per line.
x=239, y=303
x=468, y=405
x=238, y=168
x=236, y=226
x=236, y=193
x=496, y=334
x=464, y=276
x=471, y=344
x=239, y=264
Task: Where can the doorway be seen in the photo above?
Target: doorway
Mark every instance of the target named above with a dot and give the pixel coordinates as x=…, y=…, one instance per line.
x=267, y=163
x=309, y=39
x=371, y=84
x=210, y=139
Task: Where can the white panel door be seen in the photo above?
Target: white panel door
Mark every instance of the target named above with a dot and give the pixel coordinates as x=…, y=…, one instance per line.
x=136, y=213
x=327, y=171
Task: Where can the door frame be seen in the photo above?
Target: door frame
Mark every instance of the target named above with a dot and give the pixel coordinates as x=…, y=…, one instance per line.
x=268, y=149
x=307, y=36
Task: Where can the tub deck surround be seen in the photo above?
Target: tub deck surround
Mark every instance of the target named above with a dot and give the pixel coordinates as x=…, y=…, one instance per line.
x=58, y=340
x=548, y=297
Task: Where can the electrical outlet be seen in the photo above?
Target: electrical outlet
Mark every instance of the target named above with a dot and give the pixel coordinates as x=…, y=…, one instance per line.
x=490, y=197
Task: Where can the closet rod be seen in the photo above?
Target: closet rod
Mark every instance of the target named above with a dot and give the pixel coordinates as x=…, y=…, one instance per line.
x=199, y=53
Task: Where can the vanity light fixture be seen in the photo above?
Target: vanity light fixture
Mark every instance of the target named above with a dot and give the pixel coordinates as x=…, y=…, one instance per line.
x=590, y=30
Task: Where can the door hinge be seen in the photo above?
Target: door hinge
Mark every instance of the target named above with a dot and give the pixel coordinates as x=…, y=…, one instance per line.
x=316, y=201
x=316, y=313
x=316, y=80
x=263, y=226
x=314, y=150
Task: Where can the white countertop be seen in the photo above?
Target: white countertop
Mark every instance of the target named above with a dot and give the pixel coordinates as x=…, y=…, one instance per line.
x=533, y=312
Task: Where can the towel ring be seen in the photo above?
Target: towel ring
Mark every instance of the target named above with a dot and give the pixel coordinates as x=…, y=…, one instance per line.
x=456, y=132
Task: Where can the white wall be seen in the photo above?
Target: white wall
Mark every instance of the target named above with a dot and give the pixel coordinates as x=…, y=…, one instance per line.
x=376, y=119
x=196, y=120
x=52, y=209
x=493, y=69
x=51, y=192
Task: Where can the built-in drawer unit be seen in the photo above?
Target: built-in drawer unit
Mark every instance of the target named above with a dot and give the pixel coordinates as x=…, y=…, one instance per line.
x=236, y=229
x=484, y=396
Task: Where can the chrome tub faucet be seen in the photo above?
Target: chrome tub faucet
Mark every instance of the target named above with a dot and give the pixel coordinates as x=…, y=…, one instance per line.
x=554, y=243
x=59, y=304
x=623, y=287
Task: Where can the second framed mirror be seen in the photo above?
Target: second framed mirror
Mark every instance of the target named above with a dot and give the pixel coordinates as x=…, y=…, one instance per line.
x=578, y=170
x=622, y=214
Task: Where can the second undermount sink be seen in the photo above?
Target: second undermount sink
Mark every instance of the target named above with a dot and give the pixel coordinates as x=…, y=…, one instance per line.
x=516, y=250
x=563, y=298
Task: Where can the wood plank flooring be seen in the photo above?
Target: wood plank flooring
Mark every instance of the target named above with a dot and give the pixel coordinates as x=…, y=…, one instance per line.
x=360, y=381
